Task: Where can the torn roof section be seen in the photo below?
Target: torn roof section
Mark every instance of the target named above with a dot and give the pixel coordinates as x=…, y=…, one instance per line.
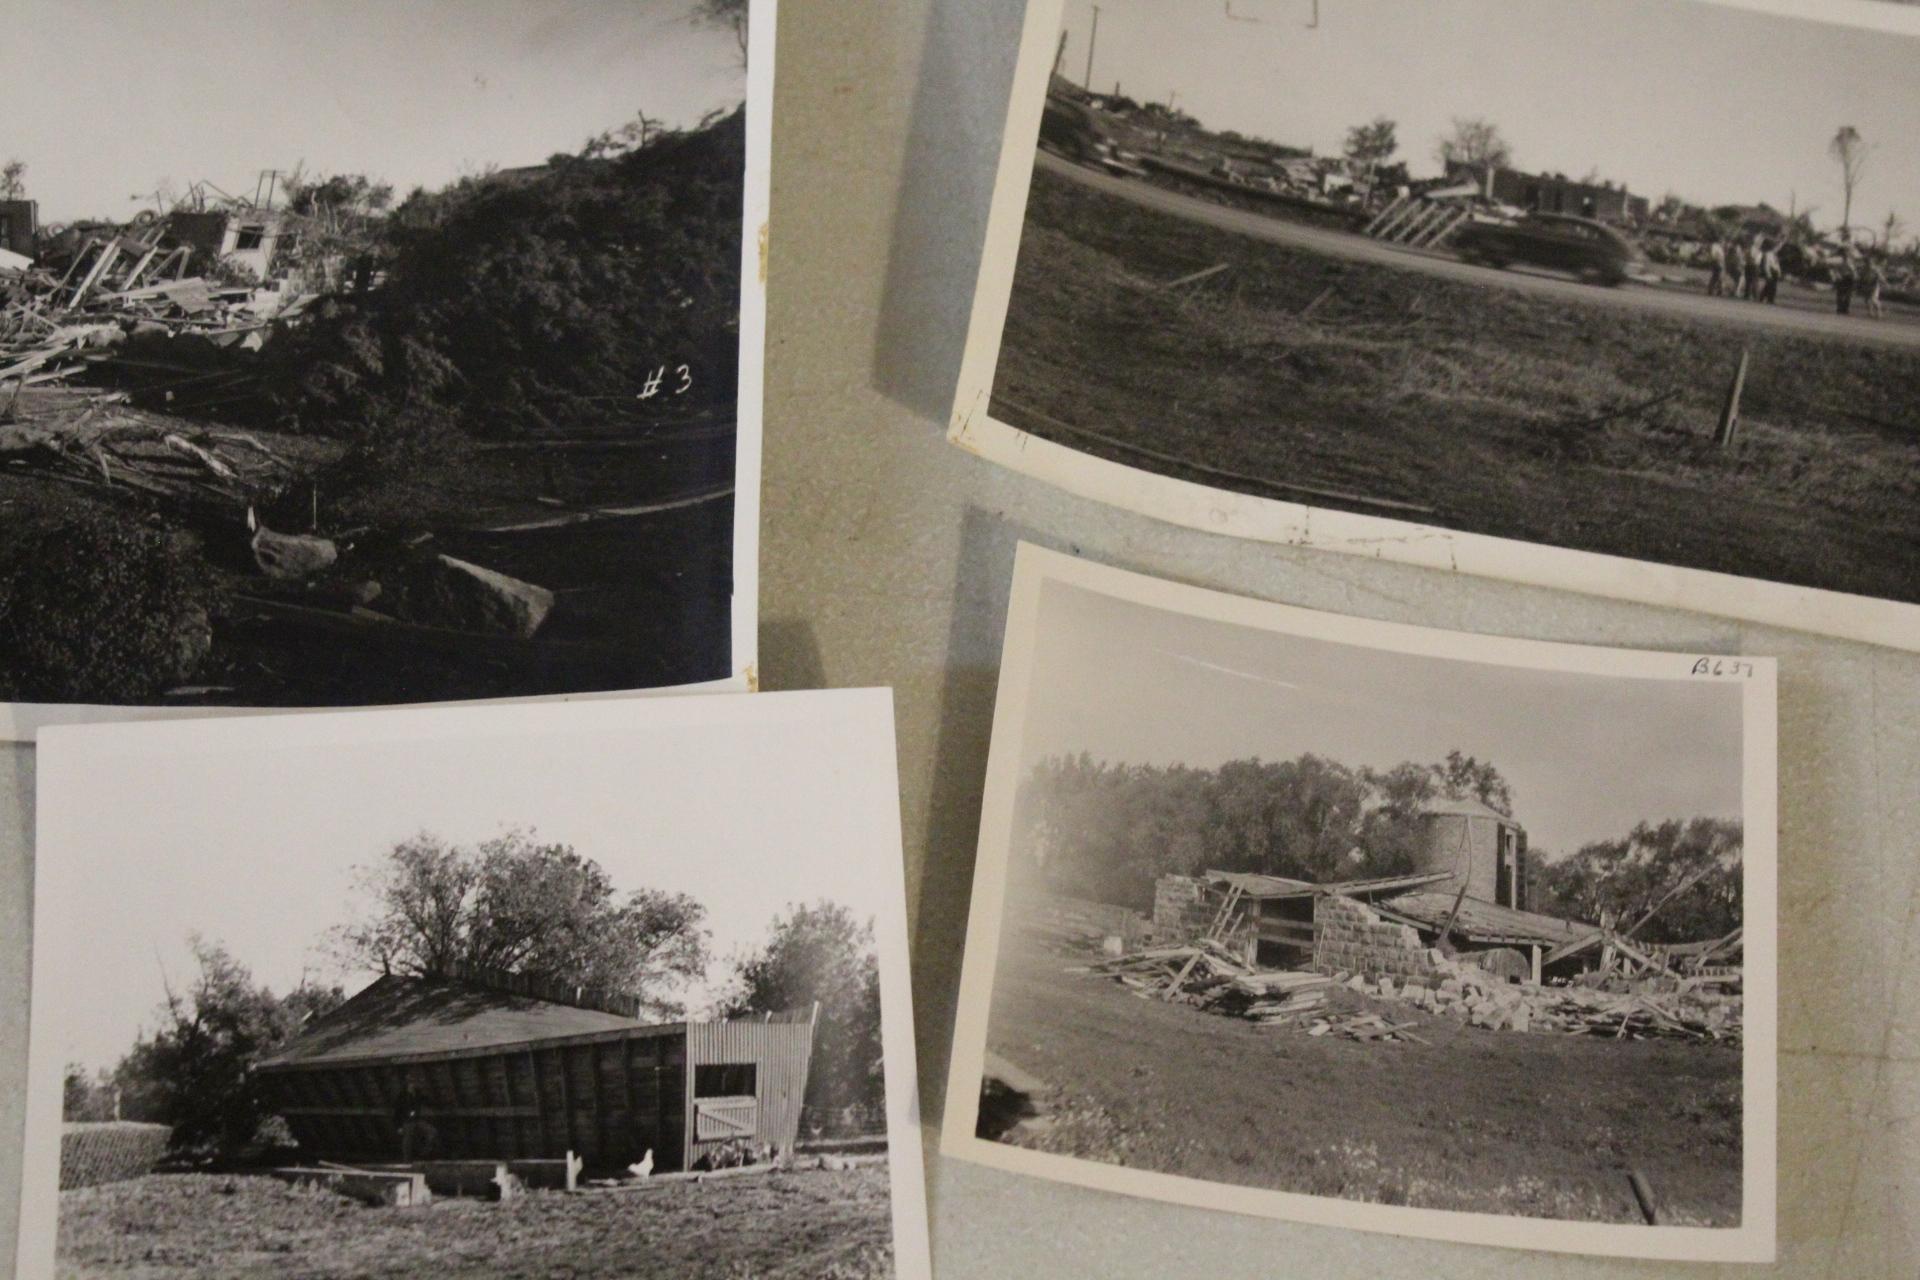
x=1269, y=888
x=1481, y=921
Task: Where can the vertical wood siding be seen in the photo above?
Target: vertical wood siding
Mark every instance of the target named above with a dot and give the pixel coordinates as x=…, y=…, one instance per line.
x=607, y=1100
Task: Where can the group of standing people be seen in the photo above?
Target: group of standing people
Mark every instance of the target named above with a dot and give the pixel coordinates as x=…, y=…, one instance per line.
x=1853, y=271
x=1750, y=269
x=1747, y=269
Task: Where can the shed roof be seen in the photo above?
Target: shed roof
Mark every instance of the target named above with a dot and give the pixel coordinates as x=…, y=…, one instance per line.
x=1269, y=887
x=399, y=1017
x=1486, y=921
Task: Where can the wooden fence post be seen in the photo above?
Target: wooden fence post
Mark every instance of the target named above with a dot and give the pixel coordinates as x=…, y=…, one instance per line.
x=1730, y=413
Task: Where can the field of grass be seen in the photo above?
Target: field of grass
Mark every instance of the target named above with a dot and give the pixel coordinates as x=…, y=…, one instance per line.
x=1583, y=426
x=1485, y=1121
x=802, y=1225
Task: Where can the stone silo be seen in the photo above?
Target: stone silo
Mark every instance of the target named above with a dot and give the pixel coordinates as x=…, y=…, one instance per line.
x=1477, y=844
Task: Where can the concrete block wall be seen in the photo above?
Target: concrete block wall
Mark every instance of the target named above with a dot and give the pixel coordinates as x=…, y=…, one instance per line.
x=1183, y=907
x=1350, y=937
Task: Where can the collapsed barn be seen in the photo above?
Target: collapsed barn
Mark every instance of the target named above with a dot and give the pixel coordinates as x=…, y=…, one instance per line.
x=1469, y=886
x=1449, y=936
x=488, y=1067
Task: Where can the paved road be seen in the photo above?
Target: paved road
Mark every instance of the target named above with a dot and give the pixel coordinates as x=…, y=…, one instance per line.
x=1791, y=314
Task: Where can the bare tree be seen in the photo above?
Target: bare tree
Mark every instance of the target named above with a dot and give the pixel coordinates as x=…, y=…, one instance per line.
x=1474, y=141
x=1850, y=150
x=13, y=180
x=1892, y=227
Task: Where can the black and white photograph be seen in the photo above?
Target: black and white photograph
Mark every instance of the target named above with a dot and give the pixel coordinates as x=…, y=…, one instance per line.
x=354, y=353
x=1373, y=925
x=498, y=991
x=1575, y=294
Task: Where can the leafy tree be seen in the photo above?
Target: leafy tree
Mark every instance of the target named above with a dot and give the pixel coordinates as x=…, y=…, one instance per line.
x=1476, y=142
x=515, y=905
x=13, y=180
x=195, y=1071
x=822, y=953
x=1461, y=777
x=1849, y=151
x=1109, y=831
x=1625, y=878
x=88, y=1097
x=1372, y=144
x=340, y=193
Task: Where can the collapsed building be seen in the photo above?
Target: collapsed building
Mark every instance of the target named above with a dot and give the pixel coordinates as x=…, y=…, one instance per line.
x=480, y=1066
x=1466, y=899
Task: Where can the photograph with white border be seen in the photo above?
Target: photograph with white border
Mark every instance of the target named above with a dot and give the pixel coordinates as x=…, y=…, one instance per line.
x=1374, y=926
x=597, y=988
x=1560, y=294
x=421, y=363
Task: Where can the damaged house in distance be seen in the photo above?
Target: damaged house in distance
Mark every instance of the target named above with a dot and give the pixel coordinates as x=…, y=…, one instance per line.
x=429, y=1072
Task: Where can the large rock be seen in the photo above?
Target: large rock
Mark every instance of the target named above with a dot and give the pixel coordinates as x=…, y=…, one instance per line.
x=440, y=591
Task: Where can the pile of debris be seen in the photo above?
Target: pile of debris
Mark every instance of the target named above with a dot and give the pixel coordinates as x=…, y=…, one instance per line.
x=1466, y=992
x=124, y=283
x=98, y=441
x=1208, y=976
x=1366, y=1027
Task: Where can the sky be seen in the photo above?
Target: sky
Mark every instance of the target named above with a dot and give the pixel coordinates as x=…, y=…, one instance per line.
x=249, y=830
x=1587, y=757
x=107, y=99
x=1719, y=105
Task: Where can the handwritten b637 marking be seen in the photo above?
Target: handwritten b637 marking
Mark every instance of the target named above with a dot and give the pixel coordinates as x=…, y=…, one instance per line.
x=1733, y=667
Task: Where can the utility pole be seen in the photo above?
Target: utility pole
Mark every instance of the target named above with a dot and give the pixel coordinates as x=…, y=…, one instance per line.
x=1092, y=37
x=1059, y=52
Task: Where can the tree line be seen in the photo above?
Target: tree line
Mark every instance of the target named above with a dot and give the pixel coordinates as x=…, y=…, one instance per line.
x=1107, y=831
x=513, y=904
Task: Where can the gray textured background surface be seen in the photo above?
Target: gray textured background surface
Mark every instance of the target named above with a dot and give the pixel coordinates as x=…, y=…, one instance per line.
x=885, y=560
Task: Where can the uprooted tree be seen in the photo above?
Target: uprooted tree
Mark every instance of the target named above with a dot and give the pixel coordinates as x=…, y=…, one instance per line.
x=516, y=905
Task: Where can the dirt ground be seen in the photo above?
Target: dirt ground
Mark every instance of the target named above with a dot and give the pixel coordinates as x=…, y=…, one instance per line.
x=804, y=1225
x=1487, y=1121
x=1545, y=418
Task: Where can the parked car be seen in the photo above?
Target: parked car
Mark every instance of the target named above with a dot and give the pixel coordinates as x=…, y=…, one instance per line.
x=1075, y=130
x=1591, y=250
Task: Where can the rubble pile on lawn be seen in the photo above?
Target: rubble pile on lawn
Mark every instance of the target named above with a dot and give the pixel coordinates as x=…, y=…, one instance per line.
x=1641, y=1011
x=1206, y=975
